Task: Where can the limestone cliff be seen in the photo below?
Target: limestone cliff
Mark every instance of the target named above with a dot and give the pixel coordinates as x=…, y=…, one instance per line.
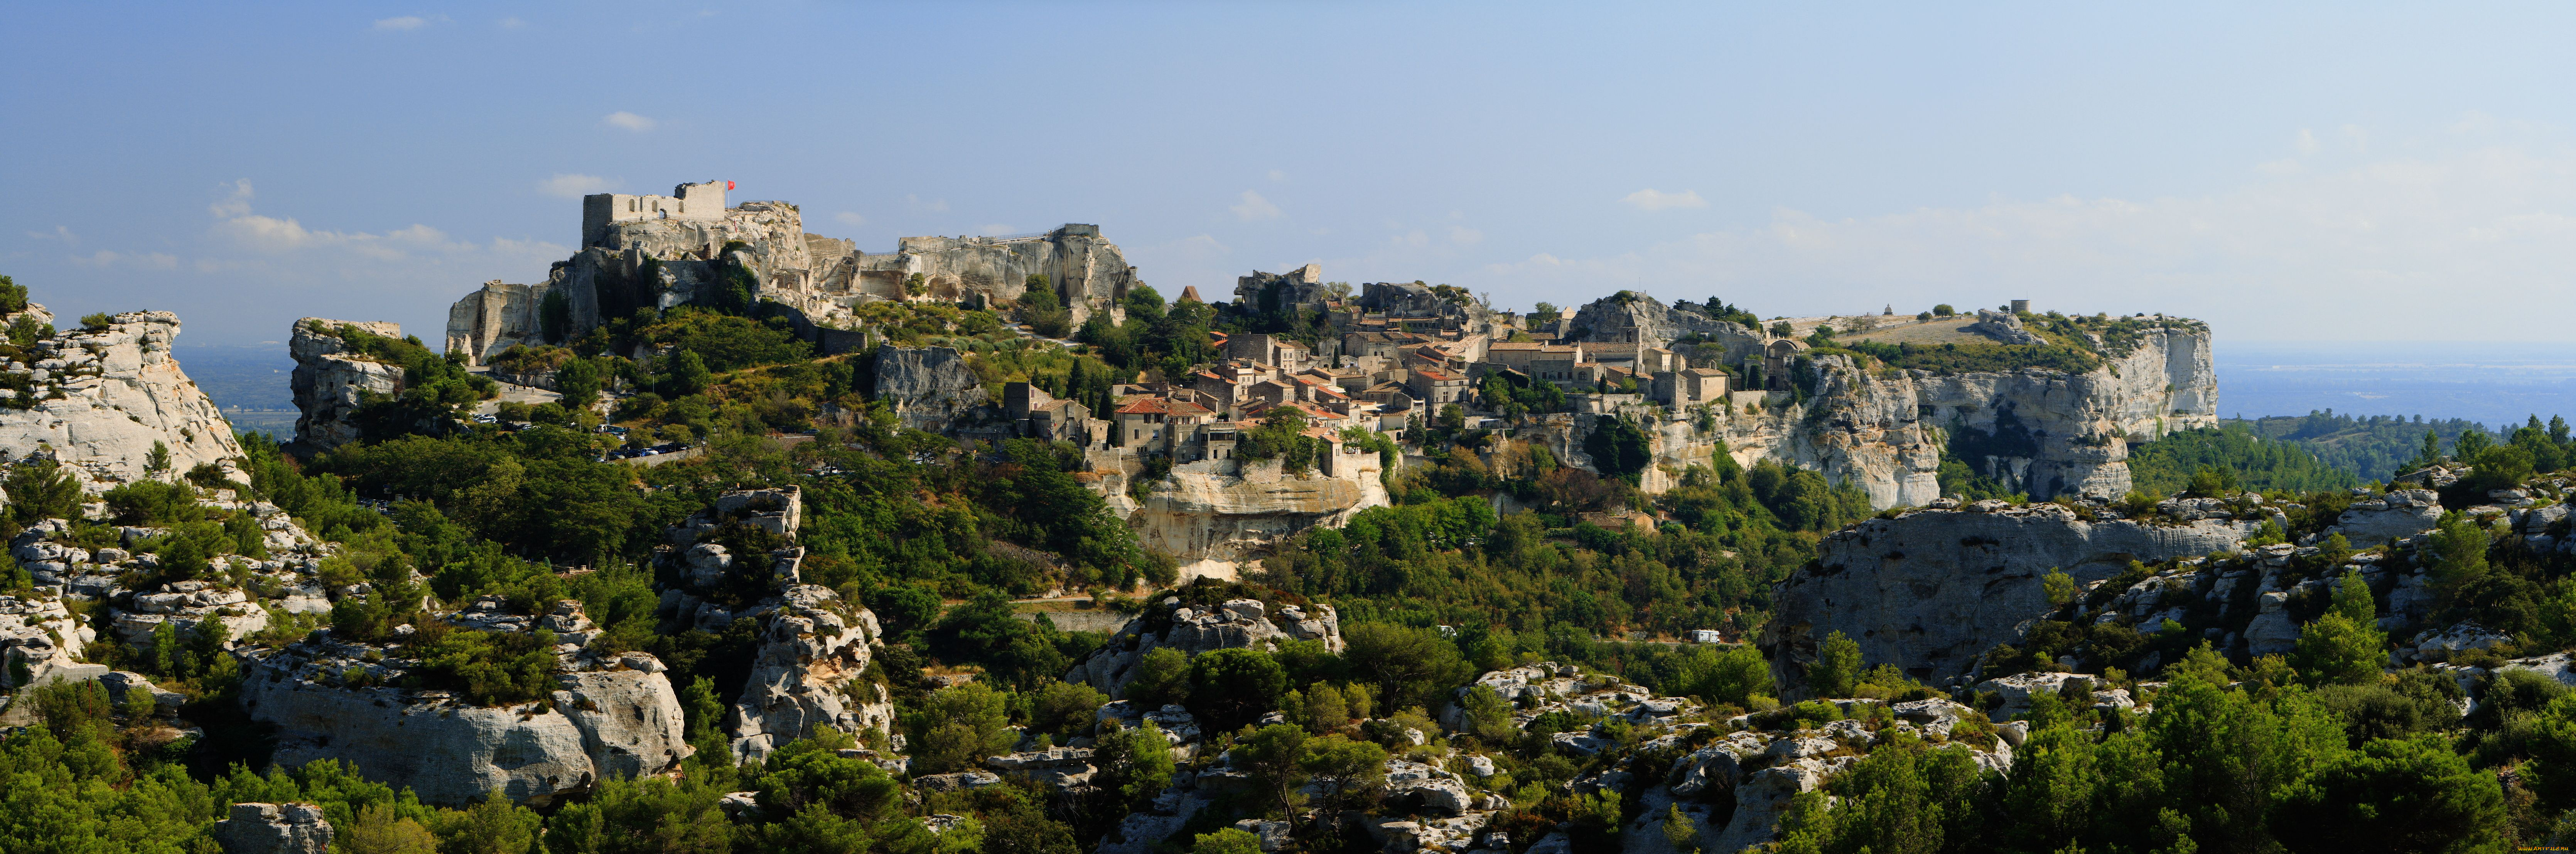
x=1219, y=512
x=1931, y=590
x=930, y=388
x=763, y=246
x=2042, y=431
x=97, y=399
x=330, y=381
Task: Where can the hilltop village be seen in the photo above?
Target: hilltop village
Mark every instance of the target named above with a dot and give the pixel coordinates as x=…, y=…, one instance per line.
x=729, y=536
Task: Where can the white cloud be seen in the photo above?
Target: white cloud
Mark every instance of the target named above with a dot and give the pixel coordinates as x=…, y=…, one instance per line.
x=574, y=185
x=60, y=233
x=2308, y=141
x=629, y=121
x=933, y=206
x=143, y=260
x=406, y=22
x=1655, y=200
x=1253, y=207
x=849, y=218
x=512, y=23
x=1276, y=175
x=1465, y=236
x=236, y=201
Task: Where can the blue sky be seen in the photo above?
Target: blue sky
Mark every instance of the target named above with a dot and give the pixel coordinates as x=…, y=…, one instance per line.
x=2381, y=174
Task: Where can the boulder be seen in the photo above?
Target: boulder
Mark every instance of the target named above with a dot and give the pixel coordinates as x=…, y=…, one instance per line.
x=1193, y=630
x=2400, y=514
x=257, y=828
x=930, y=388
x=624, y=722
x=2017, y=688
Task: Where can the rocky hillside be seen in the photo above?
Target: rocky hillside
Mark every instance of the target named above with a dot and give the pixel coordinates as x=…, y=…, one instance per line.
x=759, y=252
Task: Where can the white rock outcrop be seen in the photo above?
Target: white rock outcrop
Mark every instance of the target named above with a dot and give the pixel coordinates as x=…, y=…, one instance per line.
x=814, y=646
x=1228, y=511
x=330, y=381
x=97, y=399
x=606, y=718
x=257, y=828
x=1236, y=624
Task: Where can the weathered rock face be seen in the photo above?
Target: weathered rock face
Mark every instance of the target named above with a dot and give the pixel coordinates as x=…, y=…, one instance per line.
x=330, y=381
x=1225, y=511
x=662, y=263
x=813, y=649
x=1930, y=590
x=2044, y=432
x=2399, y=514
x=97, y=400
x=930, y=388
x=613, y=717
x=814, y=646
x=1238, y=624
x=1640, y=318
x=256, y=828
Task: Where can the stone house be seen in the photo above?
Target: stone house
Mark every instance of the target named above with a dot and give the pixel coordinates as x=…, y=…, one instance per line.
x=1436, y=386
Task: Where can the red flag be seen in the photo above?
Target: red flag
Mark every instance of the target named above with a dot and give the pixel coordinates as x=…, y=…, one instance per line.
x=728, y=185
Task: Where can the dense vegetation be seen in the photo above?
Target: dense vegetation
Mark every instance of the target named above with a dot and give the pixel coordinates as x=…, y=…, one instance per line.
x=2165, y=466
x=2371, y=447
x=1493, y=554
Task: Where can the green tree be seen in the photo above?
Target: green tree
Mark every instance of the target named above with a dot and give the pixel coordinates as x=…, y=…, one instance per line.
x=1732, y=675
x=1226, y=840
x=2059, y=586
x=689, y=374
x=2342, y=647
x=1162, y=678
x=492, y=825
x=1135, y=763
x=381, y=829
x=957, y=726
x=1271, y=755
x=2416, y=795
x=2552, y=770
x=1231, y=687
x=1837, y=667
x=1324, y=709
x=1489, y=716
x=1408, y=666
x=1347, y=773
x=1064, y=709
x=40, y=489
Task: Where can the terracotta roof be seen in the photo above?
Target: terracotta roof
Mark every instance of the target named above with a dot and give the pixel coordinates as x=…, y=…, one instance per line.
x=1435, y=376
x=1160, y=406
x=1190, y=293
